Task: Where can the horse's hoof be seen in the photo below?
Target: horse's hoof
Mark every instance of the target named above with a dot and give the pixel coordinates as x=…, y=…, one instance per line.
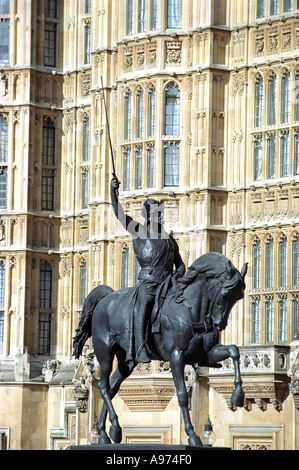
x=104, y=438
x=195, y=441
x=238, y=397
x=115, y=433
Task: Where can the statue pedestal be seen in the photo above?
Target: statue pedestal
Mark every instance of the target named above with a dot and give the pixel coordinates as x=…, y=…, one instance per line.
x=154, y=449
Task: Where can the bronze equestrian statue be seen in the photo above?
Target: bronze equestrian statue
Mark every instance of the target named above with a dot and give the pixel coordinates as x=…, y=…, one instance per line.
x=167, y=316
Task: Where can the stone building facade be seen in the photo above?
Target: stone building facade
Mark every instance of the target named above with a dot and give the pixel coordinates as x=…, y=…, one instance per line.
x=203, y=105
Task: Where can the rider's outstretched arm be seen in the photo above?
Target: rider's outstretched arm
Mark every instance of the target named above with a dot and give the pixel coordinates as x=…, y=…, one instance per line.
x=127, y=222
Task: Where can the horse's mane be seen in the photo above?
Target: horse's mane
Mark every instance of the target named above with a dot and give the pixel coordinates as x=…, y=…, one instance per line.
x=211, y=265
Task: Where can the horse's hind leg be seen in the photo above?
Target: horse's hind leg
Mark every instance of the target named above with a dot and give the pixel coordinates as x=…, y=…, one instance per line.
x=121, y=373
x=104, y=386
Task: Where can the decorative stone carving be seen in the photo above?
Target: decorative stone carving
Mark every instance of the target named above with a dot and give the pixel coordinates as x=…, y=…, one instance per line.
x=173, y=52
x=80, y=394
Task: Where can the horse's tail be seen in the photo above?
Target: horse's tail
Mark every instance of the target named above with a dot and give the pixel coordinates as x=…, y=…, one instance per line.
x=83, y=332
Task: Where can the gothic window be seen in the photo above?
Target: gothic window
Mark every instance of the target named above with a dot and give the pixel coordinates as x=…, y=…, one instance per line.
x=285, y=98
x=259, y=101
x=88, y=6
x=285, y=154
x=283, y=319
x=127, y=169
x=174, y=13
x=48, y=170
x=140, y=108
x=172, y=111
x=45, y=287
x=128, y=116
x=2, y=291
x=283, y=262
x=152, y=112
x=287, y=5
x=296, y=144
x=271, y=156
x=139, y=167
x=258, y=158
x=141, y=16
x=50, y=45
x=44, y=333
x=151, y=167
x=274, y=4
x=296, y=261
x=48, y=143
x=85, y=186
x=153, y=15
x=45, y=305
x=260, y=11
x=86, y=139
x=3, y=161
x=270, y=320
x=171, y=165
x=48, y=179
x=4, y=40
x=297, y=96
x=83, y=282
x=125, y=267
x=295, y=316
x=272, y=100
x=51, y=9
x=257, y=264
x=270, y=263
x=256, y=321
x=87, y=42
x=130, y=16
x=4, y=7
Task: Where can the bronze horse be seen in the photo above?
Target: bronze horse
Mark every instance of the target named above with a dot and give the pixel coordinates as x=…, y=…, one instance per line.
x=209, y=290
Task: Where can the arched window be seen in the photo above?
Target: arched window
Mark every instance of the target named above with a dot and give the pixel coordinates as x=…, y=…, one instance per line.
x=172, y=111
x=86, y=139
x=270, y=320
x=260, y=10
x=127, y=169
x=174, y=13
x=2, y=300
x=284, y=154
x=271, y=156
x=259, y=101
x=130, y=16
x=140, y=108
x=3, y=139
x=283, y=262
x=128, y=116
x=256, y=321
x=256, y=264
x=171, y=165
x=141, y=16
x=285, y=97
x=3, y=160
x=258, y=158
x=45, y=305
x=270, y=263
x=296, y=261
x=274, y=5
x=272, y=100
x=151, y=112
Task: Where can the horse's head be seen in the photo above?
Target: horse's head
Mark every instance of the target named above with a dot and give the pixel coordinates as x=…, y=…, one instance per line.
x=231, y=288
x=221, y=284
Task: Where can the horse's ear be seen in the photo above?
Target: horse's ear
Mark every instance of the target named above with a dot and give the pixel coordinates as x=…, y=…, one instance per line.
x=244, y=270
x=229, y=269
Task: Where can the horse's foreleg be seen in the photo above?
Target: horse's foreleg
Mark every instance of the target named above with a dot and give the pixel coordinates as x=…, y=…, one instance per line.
x=221, y=352
x=177, y=367
x=104, y=386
